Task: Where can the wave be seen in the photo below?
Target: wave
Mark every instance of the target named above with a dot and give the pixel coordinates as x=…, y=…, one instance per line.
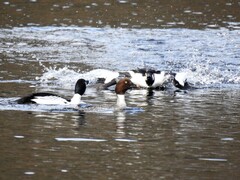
x=209, y=57
x=200, y=75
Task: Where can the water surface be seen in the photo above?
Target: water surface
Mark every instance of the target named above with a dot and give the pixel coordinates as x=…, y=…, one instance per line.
x=47, y=46
x=122, y=13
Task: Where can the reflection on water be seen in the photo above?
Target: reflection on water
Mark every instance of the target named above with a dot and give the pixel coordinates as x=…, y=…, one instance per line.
x=120, y=124
x=130, y=14
x=188, y=135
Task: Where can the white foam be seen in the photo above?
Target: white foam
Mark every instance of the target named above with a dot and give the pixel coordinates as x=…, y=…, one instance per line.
x=66, y=77
x=209, y=56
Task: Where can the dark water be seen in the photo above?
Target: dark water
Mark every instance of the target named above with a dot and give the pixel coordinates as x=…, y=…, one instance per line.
x=122, y=13
x=47, y=46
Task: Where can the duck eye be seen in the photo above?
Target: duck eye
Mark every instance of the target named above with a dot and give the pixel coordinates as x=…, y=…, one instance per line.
x=126, y=82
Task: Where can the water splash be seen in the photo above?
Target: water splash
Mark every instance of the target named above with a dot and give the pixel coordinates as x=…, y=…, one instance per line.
x=198, y=74
x=66, y=77
x=209, y=57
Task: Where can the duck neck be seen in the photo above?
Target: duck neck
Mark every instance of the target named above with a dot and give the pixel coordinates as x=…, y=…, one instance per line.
x=76, y=99
x=121, y=103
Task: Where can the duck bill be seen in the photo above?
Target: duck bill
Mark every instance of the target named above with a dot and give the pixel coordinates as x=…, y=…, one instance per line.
x=133, y=86
x=86, y=82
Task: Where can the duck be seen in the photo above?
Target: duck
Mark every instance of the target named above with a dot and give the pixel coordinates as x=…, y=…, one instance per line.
x=53, y=99
x=122, y=86
x=180, y=81
x=159, y=78
x=149, y=78
x=141, y=78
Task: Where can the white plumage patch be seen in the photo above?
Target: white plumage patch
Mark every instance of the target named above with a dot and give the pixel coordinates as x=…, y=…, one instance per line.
x=121, y=103
x=181, y=78
x=76, y=99
x=160, y=79
x=50, y=100
x=138, y=79
x=111, y=76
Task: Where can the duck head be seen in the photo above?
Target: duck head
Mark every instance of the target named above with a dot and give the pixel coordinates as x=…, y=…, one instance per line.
x=180, y=81
x=123, y=85
x=150, y=78
x=80, y=86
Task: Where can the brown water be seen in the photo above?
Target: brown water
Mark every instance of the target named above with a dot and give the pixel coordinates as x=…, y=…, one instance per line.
x=122, y=13
x=193, y=136
x=46, y=46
